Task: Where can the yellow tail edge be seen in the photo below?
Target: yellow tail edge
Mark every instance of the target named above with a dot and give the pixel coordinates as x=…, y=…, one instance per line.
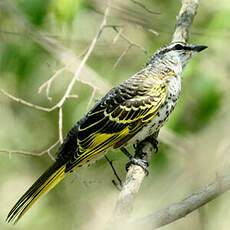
x=44, y=184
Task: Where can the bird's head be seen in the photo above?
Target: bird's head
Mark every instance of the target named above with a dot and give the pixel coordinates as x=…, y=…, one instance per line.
x=176, y=53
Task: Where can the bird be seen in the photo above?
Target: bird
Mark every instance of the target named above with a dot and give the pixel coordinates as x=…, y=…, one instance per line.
x=128, y=114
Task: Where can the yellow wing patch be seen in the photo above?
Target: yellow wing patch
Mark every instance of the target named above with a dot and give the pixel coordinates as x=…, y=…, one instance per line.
x=105, y=128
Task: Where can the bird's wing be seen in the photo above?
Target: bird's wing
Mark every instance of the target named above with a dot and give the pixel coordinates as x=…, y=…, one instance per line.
x=118, y=117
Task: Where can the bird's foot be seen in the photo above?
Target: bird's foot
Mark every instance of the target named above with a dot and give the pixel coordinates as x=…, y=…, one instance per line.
x=135, y=161
x=154, y=142
x=149, y=139
x=140, y=162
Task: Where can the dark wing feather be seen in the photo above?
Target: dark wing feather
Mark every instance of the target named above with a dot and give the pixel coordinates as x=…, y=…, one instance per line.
x=117, y=118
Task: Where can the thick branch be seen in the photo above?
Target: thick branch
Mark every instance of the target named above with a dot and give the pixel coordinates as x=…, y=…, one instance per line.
x=136, y=174
x=184, y=207
x=184, y=20
x=131, y=186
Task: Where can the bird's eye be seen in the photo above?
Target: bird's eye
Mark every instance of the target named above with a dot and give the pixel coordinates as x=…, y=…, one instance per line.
x=178, y=47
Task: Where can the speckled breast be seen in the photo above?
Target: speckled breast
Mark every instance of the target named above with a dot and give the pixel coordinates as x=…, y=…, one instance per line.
x=162, y=115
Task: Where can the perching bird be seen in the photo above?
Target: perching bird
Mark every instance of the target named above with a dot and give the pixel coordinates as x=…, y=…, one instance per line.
x=127, y=114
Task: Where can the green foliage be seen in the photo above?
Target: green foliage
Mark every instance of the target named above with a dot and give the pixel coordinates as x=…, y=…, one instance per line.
x=19, y=60
x=220, y=22
x=36, y=10
x=209, y=101
x=203, y=101
x=160, y=160
x=66, y=10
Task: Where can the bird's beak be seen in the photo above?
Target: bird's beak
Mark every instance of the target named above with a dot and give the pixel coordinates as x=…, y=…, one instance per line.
x=199, y=48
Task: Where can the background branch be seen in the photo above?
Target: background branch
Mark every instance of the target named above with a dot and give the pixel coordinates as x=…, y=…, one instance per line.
x=48, y=151
x=60, y=52
x=184, y=207
x=69, y=59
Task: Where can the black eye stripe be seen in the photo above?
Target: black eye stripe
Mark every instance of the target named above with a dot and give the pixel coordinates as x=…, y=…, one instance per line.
x=175, y=47
x=181, y=47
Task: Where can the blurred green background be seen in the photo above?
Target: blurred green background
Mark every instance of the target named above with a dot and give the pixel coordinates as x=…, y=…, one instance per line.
x=194, y=146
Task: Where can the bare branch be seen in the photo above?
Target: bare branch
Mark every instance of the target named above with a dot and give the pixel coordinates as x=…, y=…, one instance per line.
x=64, y=55
x=119, y=30
x=137, y=26
x=73, y=96
x=19, y=100
x=48, y=151
x=131, y=43
x=131, y=186
x=91, y=98
x=136, y=174
x=117, y=35
x=121, y=56
x=184, y=20
x=60, y=124
x=144, y=7
x=147, y=29
x=89, y=51
x=184, y=207
x=48, y=83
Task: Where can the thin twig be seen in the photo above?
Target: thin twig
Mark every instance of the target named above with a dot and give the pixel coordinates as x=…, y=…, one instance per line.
x=74, y=96
x=137, y=26
x=117, y=35
x=84, y=181
x=117, y=29
x=89, y=51
x=60, y=124
x=19, y=100
x=144, y=7
x=131, y=43
x=64, y=55
x=48, y=151
x=147, y=29
x=48, y=83
x=121, y=56
x=91, y=98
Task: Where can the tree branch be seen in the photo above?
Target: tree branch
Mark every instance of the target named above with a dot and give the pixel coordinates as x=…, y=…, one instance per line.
x=131, y=186
x=184, y=207
x=65, y=55
x=184, y=20
x=136, y=174
x=48, y=83
x=61, y=53
x=48, y=151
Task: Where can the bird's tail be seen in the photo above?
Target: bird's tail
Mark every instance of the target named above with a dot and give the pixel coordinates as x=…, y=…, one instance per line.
x=45, y=182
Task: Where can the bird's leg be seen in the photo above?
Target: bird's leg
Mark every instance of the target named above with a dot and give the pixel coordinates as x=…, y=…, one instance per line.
x=118, y=186
x=150, y=139
x=135, y=161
